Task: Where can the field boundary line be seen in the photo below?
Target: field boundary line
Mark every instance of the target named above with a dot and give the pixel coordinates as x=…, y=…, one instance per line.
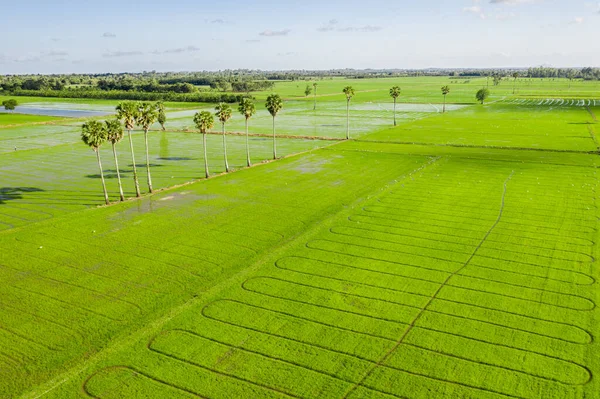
x=434, y=296
x=591, y=113
x=593, y=135
x=268, y=135
x=491, y=147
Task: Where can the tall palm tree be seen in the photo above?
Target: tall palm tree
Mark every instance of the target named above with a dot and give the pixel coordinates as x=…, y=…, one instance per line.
x=515, y=75
x=315, y=84
x=162, y=116
x=224, y=114
x=146, y=117
x=127, y=112
x=94, y=135
x=274, y=105
x=349, y=92
x=395, y=93
x=247, y=108
x=114, y=133
x=204, y=121
x=445, y=91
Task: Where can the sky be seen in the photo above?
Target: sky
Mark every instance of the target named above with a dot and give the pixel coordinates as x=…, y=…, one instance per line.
x=68, y=36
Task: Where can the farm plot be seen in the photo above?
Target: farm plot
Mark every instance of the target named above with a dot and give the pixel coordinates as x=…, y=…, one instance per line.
x=10, y=119
x=555, y=102
x=62, y=175
x=464, y=278
x=67, y=292
x=506, y=126
x=329, y=120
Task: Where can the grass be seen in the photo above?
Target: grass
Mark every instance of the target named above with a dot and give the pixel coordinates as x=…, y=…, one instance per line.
x=8, y=119
x=463, y=265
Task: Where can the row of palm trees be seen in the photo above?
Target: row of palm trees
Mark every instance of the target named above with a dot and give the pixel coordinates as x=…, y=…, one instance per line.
x=95, y=134
x=144, y=114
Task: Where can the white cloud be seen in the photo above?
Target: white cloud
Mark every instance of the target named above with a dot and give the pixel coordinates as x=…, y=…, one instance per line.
x=177, y=50
x=577, y=21
x=475, y=10
x=109, y=35
x=114, y=54
x=271, y=33
x=514, y=2
x=367, y=28
x=331, y=25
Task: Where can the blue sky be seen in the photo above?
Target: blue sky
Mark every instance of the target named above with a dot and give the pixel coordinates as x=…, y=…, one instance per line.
x=116, y=36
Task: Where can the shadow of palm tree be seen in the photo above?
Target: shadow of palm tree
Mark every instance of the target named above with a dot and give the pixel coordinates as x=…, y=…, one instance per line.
x=15, y=193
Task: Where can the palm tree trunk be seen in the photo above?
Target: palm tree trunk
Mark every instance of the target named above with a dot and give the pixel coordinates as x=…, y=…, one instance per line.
x=315, y=98
x=135, y=176
x=148, y=161
x=205, y=156
x=118, y=172
x=444, y=109
x=247, y=146
x=102, y=176
x=274, y=141
x=514, y=86
x=225, y=149
x=394, y=112
x=347, y=119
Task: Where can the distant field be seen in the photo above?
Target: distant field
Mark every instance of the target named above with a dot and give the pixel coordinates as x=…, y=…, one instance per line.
x=7, y=119
x=558, y=128
x=427, y=89
x=451, y=256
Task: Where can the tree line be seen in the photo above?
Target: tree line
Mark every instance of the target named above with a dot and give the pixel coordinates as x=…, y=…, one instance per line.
x=130, y=115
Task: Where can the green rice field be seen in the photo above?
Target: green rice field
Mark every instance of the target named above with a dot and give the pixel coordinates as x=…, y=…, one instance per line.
x=451, y=256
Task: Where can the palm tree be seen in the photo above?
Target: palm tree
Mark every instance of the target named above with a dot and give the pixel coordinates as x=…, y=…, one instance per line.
x=224, y=114
x=127, y=112
x=247, y=108
x=204, y=121
x=274, y=105
x=114, y=133
x=315, y=84
x=515, y=76
x=445, y=91
x=162, y=117
x=395, y=93
x=94, y=135
x=146, y=117
x=349, y=92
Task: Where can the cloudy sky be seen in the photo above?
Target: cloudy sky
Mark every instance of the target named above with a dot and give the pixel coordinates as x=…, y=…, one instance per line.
x=42, y=36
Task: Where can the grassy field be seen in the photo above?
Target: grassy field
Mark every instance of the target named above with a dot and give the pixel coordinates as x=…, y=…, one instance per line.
x=7, y=119
x=453, y=256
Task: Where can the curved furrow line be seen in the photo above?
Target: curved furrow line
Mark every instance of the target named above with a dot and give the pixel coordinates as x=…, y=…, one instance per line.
x=87, y=391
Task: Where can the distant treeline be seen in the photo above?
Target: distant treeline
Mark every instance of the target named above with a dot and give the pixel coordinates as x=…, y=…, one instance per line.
x=535, y=72
x=136, y=83
x=208, y=97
